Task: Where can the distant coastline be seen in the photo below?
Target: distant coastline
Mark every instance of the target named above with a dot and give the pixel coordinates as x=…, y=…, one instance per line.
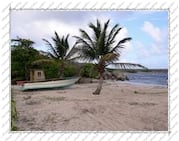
x=137, y=70
x=158, y=70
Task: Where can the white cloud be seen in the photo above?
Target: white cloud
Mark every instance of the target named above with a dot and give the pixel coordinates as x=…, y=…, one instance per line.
x=153, y=31
x=39, y=26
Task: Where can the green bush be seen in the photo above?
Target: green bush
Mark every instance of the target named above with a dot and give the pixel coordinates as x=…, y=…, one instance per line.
x=51, y=70
x=89, y=70
x=71, y=70
x=21, y=59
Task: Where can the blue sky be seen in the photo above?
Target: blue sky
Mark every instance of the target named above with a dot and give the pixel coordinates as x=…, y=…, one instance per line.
x=148, y=29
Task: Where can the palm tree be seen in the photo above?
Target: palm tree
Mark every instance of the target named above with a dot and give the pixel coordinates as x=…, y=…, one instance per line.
x=102, y=49
x=60, y=51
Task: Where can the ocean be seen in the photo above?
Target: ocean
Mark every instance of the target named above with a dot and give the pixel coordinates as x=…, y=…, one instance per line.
x=153, y=77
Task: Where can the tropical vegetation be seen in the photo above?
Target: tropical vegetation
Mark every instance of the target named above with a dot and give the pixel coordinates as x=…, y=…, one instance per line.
x=89, y=70
x=61, y=52
x=22, y=56
x=97, y=51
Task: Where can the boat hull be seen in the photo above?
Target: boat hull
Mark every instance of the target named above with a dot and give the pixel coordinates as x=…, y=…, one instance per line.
x=49, y=84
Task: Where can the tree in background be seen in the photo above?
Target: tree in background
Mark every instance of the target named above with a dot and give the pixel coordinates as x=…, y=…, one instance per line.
x=60, y=52
x=22, y=55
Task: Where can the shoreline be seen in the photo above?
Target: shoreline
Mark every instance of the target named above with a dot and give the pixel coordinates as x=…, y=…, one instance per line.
x=119, y=107
x=142, y=84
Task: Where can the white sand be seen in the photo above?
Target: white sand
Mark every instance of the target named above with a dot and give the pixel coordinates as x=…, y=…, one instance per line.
x=119, y=107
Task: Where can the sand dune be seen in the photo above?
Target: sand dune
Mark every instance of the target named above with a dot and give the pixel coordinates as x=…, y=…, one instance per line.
x=120, y=107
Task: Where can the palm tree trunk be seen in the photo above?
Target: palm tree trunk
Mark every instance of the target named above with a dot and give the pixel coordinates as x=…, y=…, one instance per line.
x=61, y=73
x=61, y=70
x=99, y=87
x=26, y=73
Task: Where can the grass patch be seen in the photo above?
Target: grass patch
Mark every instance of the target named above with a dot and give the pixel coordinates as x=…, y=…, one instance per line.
x=14, y=116
x=55, y=98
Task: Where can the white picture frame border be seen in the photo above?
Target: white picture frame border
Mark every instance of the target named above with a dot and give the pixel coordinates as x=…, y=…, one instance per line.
x=5, y=73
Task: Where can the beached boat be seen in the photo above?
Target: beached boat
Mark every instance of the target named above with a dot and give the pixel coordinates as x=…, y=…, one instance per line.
x=49, y=84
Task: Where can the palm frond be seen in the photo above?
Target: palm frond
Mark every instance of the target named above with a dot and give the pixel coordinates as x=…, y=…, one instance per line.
x=116, y=48
x=72, y=51
x=98, y=24
x=58, y=45
x=88, y=54
x=81, y=41
x=66, y=42
x=120, y=44
x=84, y=43
x=124, y=40
x=101, y=42
x=109, y=58
x=51, y=48
x=86, y=36
x=57, y=36
x=64, y=46
x=112, y=35
x=96, y=30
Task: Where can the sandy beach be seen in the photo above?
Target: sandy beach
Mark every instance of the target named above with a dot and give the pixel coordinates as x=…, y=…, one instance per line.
x=119, y=107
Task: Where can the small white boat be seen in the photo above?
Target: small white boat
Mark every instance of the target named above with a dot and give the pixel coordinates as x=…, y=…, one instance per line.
x=49, y=84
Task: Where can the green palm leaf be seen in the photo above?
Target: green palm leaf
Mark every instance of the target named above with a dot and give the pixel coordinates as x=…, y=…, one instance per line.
x=54, y=51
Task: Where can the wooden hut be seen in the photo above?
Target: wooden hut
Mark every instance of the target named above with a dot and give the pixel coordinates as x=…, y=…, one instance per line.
x=37, y=75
